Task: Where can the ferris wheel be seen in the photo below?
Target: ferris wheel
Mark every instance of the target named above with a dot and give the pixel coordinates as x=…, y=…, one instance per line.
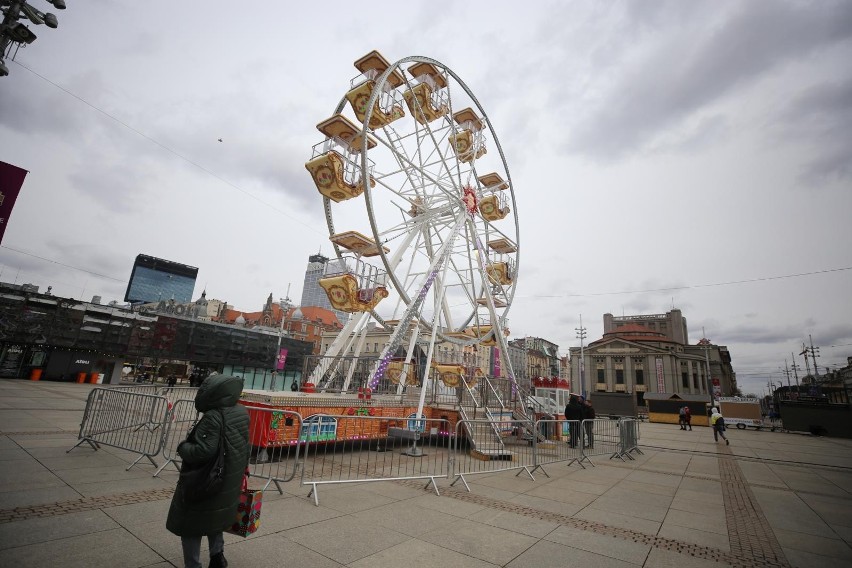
x=420, y=208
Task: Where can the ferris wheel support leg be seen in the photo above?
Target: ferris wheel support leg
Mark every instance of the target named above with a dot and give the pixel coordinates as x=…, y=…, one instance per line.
x=335, y=348
x=440, y=295
x=361, y=340
x=408, y=355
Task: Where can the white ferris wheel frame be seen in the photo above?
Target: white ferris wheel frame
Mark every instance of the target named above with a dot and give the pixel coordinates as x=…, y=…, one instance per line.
x=475, y=230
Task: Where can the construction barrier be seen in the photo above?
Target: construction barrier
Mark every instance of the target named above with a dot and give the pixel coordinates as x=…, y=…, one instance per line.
x=274, y=437
x=182, y=417
x=358, y=449
x=490, y=446
x=125, y=420
x=628, y=440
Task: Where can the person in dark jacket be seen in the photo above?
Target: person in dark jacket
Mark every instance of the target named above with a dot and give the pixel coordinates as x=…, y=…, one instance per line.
x=573, y=411
x=217, y=399
x=589, y=414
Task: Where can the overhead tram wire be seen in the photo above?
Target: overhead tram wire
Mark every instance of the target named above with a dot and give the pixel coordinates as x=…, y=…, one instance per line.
x=104, y=276
x=168, y=149
x=691, y=286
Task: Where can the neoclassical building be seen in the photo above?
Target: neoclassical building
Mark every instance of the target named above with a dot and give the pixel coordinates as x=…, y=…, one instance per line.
x=651, y=353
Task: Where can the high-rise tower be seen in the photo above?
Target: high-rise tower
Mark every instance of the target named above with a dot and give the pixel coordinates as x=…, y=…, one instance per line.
x=312, y=293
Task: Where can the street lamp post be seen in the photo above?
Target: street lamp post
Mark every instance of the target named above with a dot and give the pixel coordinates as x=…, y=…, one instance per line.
x=705, y=345
x=14, y=32
x=581, y=334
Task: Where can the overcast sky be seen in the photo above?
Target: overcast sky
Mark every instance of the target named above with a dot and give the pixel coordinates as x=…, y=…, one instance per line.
x=664, y=154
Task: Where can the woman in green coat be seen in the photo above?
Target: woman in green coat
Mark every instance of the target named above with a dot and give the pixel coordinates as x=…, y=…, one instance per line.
x=217, y=399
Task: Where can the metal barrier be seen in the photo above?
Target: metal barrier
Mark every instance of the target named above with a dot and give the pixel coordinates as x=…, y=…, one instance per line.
x=490, y=446
x=275, y=436
x=124, y=420
x=358, y=449
x=559, y=441
x=600, y=438
x=182, y=417
x=173, y=394
x=628, y=440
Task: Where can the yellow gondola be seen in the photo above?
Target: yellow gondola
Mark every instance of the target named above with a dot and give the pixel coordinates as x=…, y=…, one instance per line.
x=345, y=295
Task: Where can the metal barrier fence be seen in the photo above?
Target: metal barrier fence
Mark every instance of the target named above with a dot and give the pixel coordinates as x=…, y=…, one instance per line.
x=628, y=439
x=173, y=394
x=490, y=446
x=601, y=437
x=357, y=449
x=124, y=420
x=276, y=435
x=558, y=441
x=182, y=417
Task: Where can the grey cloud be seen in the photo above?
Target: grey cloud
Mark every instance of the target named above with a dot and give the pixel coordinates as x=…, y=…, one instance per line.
x=679, y=80
x=30, y=107
x=115, y=186
x=756, y=334
x=823, y=113
x=791, y=334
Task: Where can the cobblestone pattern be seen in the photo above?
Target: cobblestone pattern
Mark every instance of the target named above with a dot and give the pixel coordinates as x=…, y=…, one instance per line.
x=84, y=504
x=748, y=529
x=742, y=560
x=38, y=433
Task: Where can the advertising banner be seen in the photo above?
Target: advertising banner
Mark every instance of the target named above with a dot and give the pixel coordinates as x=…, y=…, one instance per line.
x=282, y=358
x=497, y=370
x=11, y=180
x=661, y=380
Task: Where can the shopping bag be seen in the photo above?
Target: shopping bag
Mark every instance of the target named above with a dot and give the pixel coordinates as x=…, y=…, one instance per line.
x=247, y=519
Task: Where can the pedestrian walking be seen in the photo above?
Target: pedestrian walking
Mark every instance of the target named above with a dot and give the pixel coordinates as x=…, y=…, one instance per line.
x=687, y=418
x=589, y=424
x=681, y=417
x=718, y=423
x=574, y=414
x=223, y=418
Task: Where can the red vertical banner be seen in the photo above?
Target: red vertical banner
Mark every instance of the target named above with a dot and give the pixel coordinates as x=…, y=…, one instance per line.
x=661, y=379
x=282, y=359
x=497, y=369
x=11, y=180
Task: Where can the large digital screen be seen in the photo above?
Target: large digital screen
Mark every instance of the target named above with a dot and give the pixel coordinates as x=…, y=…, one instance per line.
x=155, y=279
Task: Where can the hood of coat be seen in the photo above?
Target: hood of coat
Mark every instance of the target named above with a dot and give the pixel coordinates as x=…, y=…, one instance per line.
x=218, y=391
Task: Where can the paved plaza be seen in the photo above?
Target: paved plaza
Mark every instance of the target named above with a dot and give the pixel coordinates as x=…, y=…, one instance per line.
x=768, y=499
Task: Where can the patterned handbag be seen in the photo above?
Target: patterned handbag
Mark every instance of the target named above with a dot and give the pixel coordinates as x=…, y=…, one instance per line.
x=247, y=519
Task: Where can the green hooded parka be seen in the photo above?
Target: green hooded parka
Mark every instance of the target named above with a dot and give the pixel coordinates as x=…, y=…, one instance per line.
x=212, y=515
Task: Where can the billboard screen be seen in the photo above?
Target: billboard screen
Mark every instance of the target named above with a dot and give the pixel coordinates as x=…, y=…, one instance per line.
x=155, y=279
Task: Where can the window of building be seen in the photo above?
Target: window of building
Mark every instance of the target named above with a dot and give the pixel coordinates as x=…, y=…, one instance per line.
x=640, y=376
x=684, y=379
x=619, y=376
x=601, y=376
x=695, y=380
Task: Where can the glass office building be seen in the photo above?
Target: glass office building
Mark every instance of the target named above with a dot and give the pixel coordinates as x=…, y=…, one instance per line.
x=155, y=279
